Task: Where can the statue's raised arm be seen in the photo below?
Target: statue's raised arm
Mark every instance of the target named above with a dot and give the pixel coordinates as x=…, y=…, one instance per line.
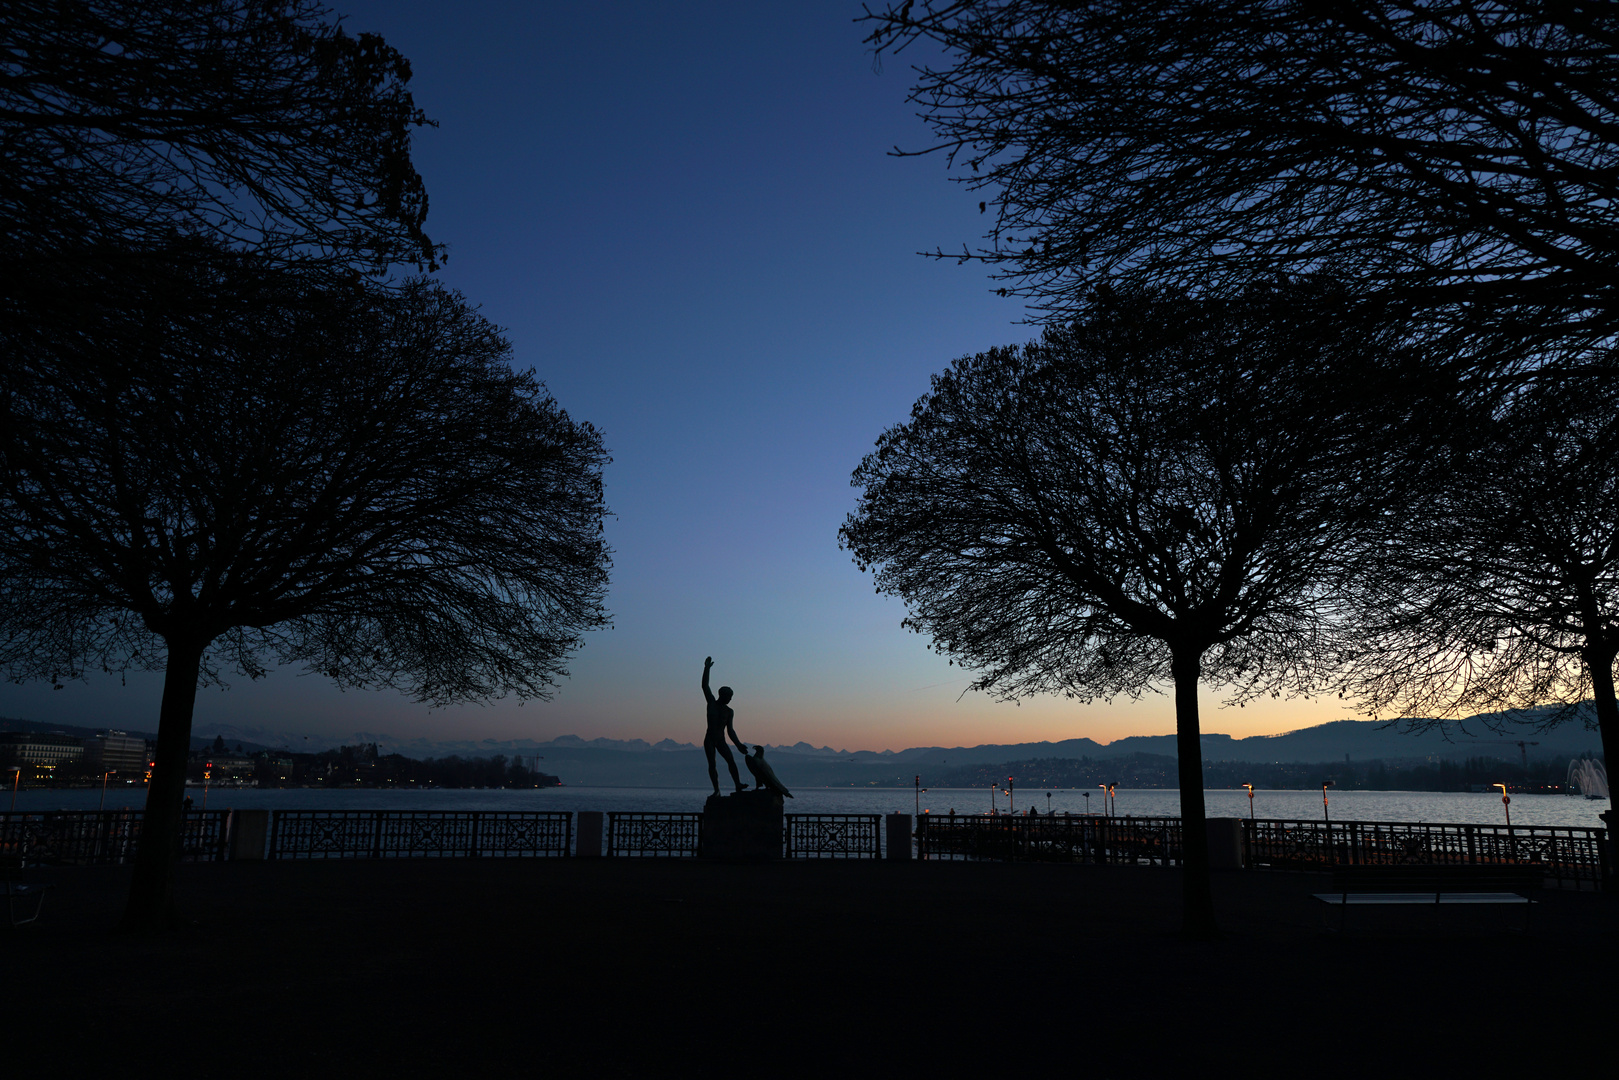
x=708, y=662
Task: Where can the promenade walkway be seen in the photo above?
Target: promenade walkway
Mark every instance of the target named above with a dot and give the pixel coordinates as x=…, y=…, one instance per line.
x=628, y=967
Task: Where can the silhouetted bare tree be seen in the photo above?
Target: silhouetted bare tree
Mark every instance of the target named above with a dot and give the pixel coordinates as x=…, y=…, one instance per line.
x=1163, y=492
x=352, y=480
x=1503, y=591
x=1452, y=153
x=246, y=123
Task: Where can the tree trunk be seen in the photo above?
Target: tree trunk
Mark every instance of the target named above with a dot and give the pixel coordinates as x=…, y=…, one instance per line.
x=1599, y=663
x=151, y=892
x=1197, y=913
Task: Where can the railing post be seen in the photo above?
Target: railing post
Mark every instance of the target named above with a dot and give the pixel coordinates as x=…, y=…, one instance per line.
x=248, y=833
x=376, y=834
x=899, y=837
x=1605, y=839
x=590, y=835
x=1225, y=843
x=477, y=834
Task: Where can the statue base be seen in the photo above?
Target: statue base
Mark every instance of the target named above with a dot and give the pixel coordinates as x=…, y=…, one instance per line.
x=747, y=826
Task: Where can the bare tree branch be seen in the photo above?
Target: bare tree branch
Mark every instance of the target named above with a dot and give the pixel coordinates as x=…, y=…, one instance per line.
x=352, y=480
x=255, y=124
x=1454, y=155
x=1503, y=593
x=1163, y=491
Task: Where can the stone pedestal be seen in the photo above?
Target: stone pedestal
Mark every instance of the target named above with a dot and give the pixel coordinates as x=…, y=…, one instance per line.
x=746, y=826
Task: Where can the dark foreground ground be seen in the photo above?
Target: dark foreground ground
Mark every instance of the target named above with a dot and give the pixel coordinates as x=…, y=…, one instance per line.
x=640, y=967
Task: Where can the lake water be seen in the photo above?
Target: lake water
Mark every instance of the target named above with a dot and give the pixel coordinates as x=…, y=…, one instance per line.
x=1425, y=806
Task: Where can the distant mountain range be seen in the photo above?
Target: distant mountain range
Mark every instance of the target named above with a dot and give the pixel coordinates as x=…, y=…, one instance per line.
x=638, y=763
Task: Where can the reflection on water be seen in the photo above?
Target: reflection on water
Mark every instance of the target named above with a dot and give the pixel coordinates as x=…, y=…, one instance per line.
x=1482, y=808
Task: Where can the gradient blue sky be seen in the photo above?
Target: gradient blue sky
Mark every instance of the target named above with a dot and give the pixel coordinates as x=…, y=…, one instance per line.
x=686, y=219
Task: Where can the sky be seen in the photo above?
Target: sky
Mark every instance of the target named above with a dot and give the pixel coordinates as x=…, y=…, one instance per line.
x=689, y=223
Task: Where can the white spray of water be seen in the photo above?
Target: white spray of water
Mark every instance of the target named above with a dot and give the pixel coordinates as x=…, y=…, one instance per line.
x=1590, y=776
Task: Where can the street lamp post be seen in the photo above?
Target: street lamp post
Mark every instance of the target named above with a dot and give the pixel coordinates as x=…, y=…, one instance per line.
x=207, y=771
x=1048, y=804
x=1250, y=788
x=15, y=784
x=1325, y=784
x=1087, y=804
x=1506, y=803
x=103, y=804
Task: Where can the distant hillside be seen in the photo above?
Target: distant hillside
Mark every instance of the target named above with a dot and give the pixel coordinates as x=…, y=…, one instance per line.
x=1160, y=771
x=197, y=741
x=638, y=763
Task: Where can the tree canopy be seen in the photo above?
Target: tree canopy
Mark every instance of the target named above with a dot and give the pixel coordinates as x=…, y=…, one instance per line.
x=354, y=481
x=1503, y=591
x=1164, y=491
x=251, y=124
x=1456, y=155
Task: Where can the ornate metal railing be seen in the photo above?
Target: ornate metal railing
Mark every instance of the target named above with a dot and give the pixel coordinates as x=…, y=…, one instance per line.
x=408, y=834
x=654, y=834
x=101, y=837
x=831, y=836
x=1565, y=853
x=1124, y=840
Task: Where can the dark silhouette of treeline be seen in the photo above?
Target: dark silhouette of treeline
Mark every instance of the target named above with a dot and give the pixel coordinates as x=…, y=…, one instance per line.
x=1159, y=771
x=364, y=766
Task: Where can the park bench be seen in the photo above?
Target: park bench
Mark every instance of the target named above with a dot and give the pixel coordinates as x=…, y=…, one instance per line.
x=23, y=900
x=1431, y=886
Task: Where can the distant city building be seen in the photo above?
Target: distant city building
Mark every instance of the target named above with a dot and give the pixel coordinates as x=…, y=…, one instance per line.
x=116, y=751
x=226, y=764
x=277, y=767
x=36, y=748
x=238, y=765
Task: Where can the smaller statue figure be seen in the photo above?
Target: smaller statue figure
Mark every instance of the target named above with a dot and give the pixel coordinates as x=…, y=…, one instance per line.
x=764, y=777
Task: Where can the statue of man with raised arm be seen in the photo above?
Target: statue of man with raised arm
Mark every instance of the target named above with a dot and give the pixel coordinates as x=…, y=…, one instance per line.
x=720, y=724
